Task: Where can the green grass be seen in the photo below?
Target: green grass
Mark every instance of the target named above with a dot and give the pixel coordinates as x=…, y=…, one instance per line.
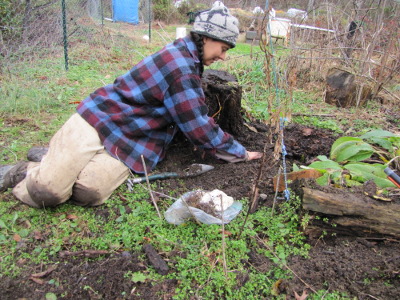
x=39, y=235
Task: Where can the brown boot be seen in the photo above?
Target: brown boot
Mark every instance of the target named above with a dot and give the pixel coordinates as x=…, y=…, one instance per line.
x=13, y=176
x=3, y=171
x=36, y=153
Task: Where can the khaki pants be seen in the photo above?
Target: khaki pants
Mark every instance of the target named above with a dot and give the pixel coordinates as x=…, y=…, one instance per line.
x=76, y=167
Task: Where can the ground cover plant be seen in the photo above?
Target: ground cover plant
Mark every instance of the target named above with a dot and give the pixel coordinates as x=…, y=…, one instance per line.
x=277, y=252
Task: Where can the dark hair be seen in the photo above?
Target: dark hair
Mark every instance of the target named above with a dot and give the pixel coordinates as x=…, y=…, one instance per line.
x=198, y=41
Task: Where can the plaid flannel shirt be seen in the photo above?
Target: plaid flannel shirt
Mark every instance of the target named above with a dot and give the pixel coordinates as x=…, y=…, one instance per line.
x=139, y=113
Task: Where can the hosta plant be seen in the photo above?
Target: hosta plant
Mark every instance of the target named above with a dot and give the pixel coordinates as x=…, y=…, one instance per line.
x=355, y=160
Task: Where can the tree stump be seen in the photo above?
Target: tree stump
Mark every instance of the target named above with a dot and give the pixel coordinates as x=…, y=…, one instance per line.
x=342, y=89
x=223, y=98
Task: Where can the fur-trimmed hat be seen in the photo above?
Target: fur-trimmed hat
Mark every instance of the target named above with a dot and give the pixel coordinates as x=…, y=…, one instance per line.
x=217, y=23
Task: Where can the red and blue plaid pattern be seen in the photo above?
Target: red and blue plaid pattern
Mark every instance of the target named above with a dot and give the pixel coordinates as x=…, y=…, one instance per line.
x=139, y=114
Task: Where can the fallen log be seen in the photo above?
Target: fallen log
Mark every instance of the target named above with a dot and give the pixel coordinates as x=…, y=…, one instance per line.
x=355, y=211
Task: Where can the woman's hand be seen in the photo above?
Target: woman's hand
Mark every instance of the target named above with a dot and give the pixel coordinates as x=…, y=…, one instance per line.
x=254, y=155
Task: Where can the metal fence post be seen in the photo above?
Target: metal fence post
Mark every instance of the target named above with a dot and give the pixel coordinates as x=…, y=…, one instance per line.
x=102, y=12
x=149, y=21
x=64, y=21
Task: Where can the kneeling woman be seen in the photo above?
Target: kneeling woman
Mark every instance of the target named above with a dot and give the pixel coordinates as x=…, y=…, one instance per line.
x=139, y=114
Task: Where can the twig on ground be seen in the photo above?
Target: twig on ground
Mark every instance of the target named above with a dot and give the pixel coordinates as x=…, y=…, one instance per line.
x=13, y=153
x=323, y=296
x=209, y=276
x=86, y=253
x=371, y=296
x=276, y=192
x=184, y=202
x=188, y=208
x=44, y=273
x=223, y=240
x=391, y=94
x=148, y=186
x=173, y=198
x=314, y=115
x=253, y=201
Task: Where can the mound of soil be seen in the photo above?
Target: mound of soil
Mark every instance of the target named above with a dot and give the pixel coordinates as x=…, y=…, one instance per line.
x=366, y=268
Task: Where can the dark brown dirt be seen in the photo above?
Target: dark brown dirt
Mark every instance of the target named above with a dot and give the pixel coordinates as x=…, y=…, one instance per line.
x=362, y=267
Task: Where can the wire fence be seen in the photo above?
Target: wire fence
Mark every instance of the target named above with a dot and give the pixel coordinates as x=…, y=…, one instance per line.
x=84, y=29
x=32, y=29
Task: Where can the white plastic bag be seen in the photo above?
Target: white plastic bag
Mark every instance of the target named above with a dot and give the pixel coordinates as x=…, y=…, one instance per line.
x=180, y=211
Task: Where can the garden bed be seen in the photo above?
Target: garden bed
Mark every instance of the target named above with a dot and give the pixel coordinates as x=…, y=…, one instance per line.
x=358, y=266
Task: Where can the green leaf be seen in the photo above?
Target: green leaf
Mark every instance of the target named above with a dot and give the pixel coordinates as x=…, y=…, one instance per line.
x=23, y=232
x=350, y=182
x=363, y=172
x=384, y=143
x=14, y=219
x=360, y=154
x=342, y=140
x=51, y=296
x=351, y=150
x=341, y=143
x=3, y=225
x=395, y=140
x=323, y=158
x=327, y=164
x=377, y=133
x=138, y=277
x=295, y=168
x=122, y=209
x=383, y=183
x=323, y=180
x=336, y=176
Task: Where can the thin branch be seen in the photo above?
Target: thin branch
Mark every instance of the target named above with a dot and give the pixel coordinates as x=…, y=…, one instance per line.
x=276, y=192
x=223, y=240
x=188, y=208
x=9, y=149
x=86, y=253
x=148, y=186
x=315, y=115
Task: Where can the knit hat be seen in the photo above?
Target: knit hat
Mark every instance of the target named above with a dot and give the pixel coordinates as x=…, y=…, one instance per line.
x=217, y=23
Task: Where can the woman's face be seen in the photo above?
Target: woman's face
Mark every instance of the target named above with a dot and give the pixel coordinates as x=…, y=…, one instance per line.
x=213, y=50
